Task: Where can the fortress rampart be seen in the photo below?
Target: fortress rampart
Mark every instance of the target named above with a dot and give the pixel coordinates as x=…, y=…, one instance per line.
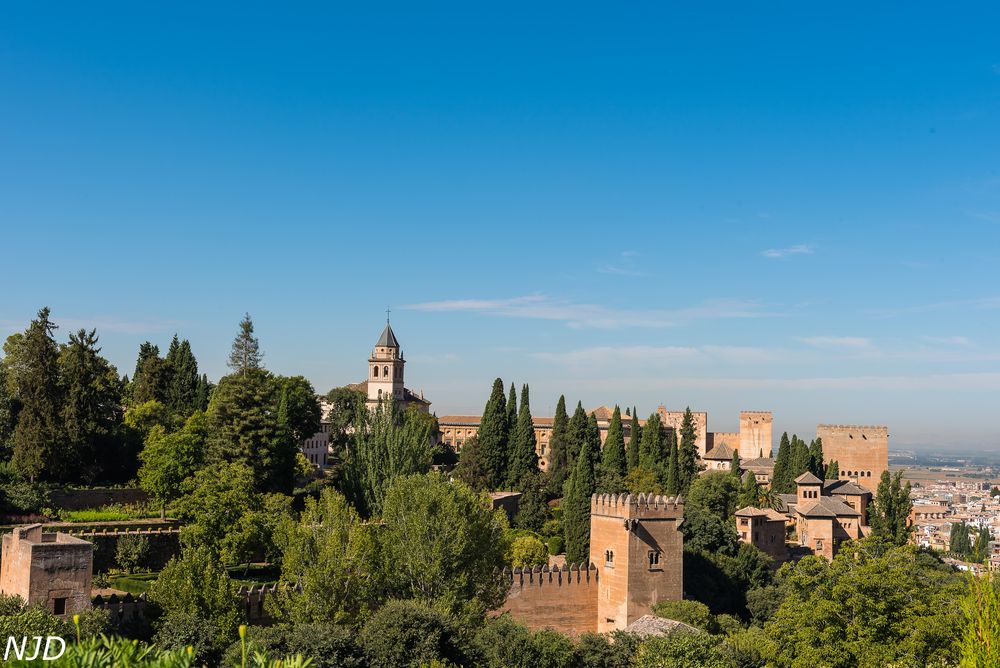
x=861, y=451
x=561, y=599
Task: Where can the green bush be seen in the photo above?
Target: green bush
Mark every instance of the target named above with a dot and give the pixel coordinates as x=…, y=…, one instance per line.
x=556, y=544
x=131, y=551
x=528, y=551
x=327, y=645
x=690, y=612
x=408, y=633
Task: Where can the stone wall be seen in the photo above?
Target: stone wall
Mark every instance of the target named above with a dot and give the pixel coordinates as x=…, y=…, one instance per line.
x=81, y=499
x=755, y=434
x=861, y=451
x=164, y=543
x=563, y=600
x=674, y=419
x=52, y=570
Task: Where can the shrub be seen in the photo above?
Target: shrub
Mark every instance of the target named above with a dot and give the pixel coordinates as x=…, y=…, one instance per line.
x=408, y=633
x=682, y=650
x=690, y=612
x=131, y=551
x=327, y=645
x=556, y=544
x=528, y=551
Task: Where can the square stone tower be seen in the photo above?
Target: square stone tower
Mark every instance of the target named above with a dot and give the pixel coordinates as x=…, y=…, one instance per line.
x=755, y=434
x=53, y=570
x=637, y=546
x=861, y=451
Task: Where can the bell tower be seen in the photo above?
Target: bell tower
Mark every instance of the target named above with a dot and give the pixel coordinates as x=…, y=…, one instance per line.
x=385, y=369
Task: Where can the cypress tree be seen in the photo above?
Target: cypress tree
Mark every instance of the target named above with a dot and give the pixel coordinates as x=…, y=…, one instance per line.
x=627, y=413
x=183, y=378
x=576, y=508
x=594, y=438
x=38, y=434
x=577, y=433
x=651, y=446
x=512, y=416
x=671, y=479
x=151, y=381
x=245, y=355
x=523, y=459
x=734, y=464
x=493, y=434
x=559, y=445
x=832, y=470
x=613, y=455
x=635, y=435
x=800, y=458
x=781, y=480
x=816, y=459
x=688, y=462
x=201, y=393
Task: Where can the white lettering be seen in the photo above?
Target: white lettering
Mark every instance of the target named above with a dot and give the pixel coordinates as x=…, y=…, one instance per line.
x=46, y=656
x=18, y=651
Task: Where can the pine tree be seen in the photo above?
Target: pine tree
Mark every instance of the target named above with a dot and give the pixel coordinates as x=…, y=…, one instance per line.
x=512, y=416
x=890, y=513
x=38, y=434
x=734, y=464
x=832, y=470
x=781, y=478
x=613, y=455
x=151, y=381
x=577, y=433
x=184, y=378
x=523, y=458
x=90, y=412
x=245, y=355
x=635, y=435
x=576, y=508
x=493, y=433
x=688, y=461
x=558, y=468
x=201, y=393
x=651, y=450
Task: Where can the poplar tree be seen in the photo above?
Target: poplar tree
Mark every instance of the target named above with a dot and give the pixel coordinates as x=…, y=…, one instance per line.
x=889, y=517
x=635, y=435
x=576, y=508
x=523, y=459
x=613, y=455
x=559, y=446
x=577, y=433
x=781, y=478
x=245, y=355
x=493, y=435
x=688, y=462
x=37, y=436
x=981, y=550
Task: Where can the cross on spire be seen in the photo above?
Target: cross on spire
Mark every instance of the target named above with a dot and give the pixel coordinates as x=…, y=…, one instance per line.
x=387, y=315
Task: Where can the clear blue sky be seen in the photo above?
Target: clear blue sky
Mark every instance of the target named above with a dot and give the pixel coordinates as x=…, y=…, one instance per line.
x=727, y=205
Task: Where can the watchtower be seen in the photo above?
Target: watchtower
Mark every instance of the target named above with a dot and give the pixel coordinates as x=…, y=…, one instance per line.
x=638, y=548
x=755, y=434
x=385, y=369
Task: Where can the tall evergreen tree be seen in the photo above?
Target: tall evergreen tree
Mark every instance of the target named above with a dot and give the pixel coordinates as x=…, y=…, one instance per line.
x=594, y=439
x=651, y=451
x=782, y=478
x=749, y=492
x=523, y=458
x=91, y=410
x=558, y=468
x=959, y=542
x=151, y=381
x=577, y=433
x=734, y=464
x=493, y=433
x=672, y=476
x=184, y=379
x=201, y=393
x=800, y=458
x=890, y=513
x=38, y=434
x=146, y=351
x=635, y=436
x=245, y=355
x=688, y=461
x=981, y=549
x=613, y=455
x=816, y=465
x=576, y=508
x=832, y=470
x=512, y=417
x=8, y=413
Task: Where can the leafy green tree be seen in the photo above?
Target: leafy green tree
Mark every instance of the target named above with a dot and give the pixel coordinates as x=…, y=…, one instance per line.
x=577, y=434
x=333, y=557
x=559, y=445
x=873, y=605
x=682, y=650
x=298, y=409
x=410, y=634
x=523, y=458
x=245, y=427
x=643, y=481
x=213, y=501
x=532, y=510
x=386, y=445
x=442, y=543
x=980, y=643
x=38, y=434
x=528, y=551
x=493, y=433
x=750, y=491
x=91, y=411
x=197, y=585
x=326, y=645
x=782, y=480
x=345, y=403
x=576, y=508
x=169, y=459
x=716, y=492
x=257, y=533
x=131, y=551
x=688, y=461
x=890, y=511
x=473, y=469
x=981, y=549
x=694, y=613
x=246, y=356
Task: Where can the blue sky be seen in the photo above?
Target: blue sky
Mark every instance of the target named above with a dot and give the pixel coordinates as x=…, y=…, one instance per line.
x=728, y=205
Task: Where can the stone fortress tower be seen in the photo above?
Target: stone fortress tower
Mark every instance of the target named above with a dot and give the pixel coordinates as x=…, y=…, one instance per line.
x=755, y=434
x=861, y=451
x=385, y=369
x=637, y=546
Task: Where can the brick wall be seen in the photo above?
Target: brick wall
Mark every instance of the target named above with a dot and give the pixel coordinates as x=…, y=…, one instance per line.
x=861, y=451
x=563, y=600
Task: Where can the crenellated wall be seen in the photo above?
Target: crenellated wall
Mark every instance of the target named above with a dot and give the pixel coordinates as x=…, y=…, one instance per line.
x=861, y=451
x=564, y=599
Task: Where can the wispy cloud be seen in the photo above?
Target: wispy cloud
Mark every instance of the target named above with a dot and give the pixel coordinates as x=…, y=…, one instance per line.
x=577, y=315
x=978, y=303
x=836, y=341
x=798, y=249
x=626, y=265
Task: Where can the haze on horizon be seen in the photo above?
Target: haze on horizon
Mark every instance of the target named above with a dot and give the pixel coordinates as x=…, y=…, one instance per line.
x=771, y=208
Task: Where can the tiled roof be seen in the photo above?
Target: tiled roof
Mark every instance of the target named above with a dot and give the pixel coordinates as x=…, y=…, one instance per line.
x=770, y=514
x=827, y=506
x=388, y=339
x=808, y=478
x=721, y=452
x=844, y=487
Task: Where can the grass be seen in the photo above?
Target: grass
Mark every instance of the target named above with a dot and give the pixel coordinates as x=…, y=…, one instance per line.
x=135, y=583
x=111, y=513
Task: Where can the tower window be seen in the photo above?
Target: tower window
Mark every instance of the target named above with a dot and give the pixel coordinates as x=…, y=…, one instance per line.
x=59, y=606
x=609, y=558
x=385, y=371
x=654, y=559
x=375, y=370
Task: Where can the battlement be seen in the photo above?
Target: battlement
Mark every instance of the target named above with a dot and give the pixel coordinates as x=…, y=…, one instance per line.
x=880, y=430
x=767, y=414
x=543, y=575
x=636, y=505
x=563, y=599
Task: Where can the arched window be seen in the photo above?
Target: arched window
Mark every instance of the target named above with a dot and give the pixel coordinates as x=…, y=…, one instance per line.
x=385, y=371
x=375, y=371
